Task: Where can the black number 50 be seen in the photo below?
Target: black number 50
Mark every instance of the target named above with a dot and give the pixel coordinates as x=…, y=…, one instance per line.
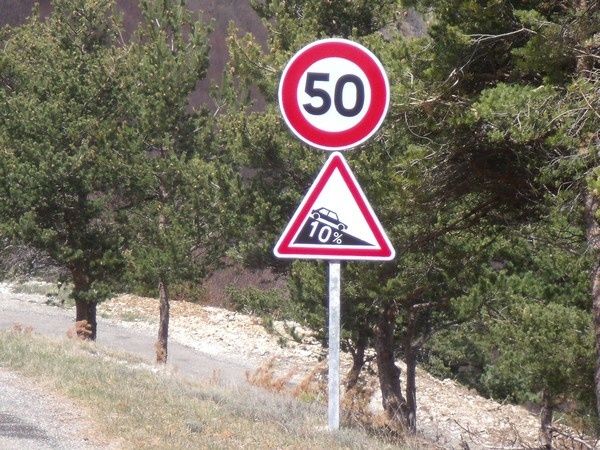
x=310, y=89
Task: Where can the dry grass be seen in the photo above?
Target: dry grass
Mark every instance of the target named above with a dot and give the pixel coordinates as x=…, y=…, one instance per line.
x=265, y=377
x=80, y=330
x=144, y=407
x=313, y=386
x=355, y=405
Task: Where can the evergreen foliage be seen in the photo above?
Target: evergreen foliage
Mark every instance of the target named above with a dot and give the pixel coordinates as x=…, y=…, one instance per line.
x=168, y=56
x=67, y=159
x=525, y=328
x=487, y=135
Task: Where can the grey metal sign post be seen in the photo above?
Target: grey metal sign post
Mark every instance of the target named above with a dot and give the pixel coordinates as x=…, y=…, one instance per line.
x=334, y=346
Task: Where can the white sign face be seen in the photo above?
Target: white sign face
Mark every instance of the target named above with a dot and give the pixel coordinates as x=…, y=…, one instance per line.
x=334, y=94
x=335, y=206
x=335, y=221
x=346, y=84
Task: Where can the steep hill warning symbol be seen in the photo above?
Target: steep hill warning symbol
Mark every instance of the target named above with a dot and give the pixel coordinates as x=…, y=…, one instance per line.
x=335, y=221
x=326, y=228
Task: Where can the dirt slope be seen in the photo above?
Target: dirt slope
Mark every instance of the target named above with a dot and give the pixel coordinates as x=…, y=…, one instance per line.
x=449, y=413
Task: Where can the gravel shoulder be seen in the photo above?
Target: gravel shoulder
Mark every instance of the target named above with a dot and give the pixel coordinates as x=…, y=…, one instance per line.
x=33, y=418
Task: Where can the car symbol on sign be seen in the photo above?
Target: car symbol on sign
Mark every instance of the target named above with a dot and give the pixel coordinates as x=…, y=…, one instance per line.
x=328, y=217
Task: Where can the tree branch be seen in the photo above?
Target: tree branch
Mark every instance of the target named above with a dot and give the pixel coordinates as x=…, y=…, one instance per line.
x=487, y=37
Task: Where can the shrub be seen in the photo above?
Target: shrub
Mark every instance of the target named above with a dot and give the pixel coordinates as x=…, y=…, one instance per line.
x=259, y=302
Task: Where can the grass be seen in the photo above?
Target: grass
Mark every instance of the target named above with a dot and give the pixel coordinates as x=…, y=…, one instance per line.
x=130, y=316
x=142, y=407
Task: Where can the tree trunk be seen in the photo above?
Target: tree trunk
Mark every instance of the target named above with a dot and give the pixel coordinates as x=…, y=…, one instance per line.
x=546, y=421
x=410, y=356
x=411, y=388
x=393, y=402
x=85, y=311
x=163, y=327
x=593, y=240
x=163, y=291
x=85, y=320
x=358, y=361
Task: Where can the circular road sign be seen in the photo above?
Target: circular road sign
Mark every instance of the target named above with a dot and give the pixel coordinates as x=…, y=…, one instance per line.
x=334, y=94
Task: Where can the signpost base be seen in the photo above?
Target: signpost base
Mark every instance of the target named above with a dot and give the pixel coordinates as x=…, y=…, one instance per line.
x=333, y=412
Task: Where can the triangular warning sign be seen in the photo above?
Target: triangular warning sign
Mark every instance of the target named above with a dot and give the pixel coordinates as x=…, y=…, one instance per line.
x=335, y=221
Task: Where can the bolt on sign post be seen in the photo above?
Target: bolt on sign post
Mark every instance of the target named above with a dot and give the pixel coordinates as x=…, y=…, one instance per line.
x=334, y=95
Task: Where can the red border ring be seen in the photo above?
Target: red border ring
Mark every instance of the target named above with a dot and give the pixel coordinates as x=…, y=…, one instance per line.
x=368, y=63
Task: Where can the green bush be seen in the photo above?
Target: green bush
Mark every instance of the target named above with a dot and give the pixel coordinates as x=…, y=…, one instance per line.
x=260, y=302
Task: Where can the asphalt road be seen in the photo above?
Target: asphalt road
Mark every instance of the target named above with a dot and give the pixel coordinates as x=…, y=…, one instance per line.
x=20, y=429
x=30, y=311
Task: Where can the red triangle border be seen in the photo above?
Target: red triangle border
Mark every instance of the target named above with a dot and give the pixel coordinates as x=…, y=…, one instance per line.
x=383, y=251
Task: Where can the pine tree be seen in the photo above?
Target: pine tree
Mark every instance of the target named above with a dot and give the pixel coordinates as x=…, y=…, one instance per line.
x=104, y=165
x=67, y=158
x=171, y=221
x=520, y=82
x=525, y=334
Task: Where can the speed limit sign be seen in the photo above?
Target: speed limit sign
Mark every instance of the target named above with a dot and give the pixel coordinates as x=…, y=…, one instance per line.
x=334, y=94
